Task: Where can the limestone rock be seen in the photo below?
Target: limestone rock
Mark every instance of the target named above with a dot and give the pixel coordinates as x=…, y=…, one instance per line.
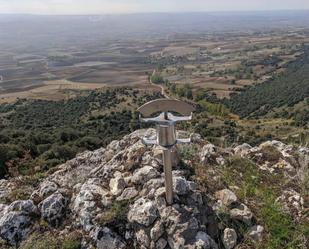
x=157, y=231
x=161, y=244
x=16, y=220
x=86, y=202
x=142, y=238
x=143, y=212
x=128, y=194
x=229, y=238
x=117, y=185
x=202, y=240
x=256, y=233
x=47, y=188
x=14, y=226
x=242, y=150
x=53, y=208
x=208, y=151
x=144, y=174
x=25, y=206
x=292, y=202
x=242, y=213
x=106, y=239
x=226, y=196
x=180, y=185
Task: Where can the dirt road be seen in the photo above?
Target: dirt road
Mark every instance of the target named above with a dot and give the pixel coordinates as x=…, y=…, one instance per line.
x=160, y=86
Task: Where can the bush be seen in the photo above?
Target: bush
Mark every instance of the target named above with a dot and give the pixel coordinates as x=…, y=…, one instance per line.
x=40, y=241
x=118, y=211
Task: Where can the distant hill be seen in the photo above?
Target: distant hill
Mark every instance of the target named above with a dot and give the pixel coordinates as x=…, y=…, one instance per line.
x=288, y=88
x=25, y=30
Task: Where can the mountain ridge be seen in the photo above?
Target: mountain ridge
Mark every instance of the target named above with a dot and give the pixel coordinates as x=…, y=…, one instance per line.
x=113, y=197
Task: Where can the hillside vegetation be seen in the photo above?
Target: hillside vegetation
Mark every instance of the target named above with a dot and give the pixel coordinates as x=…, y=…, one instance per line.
x=288, y=88
x=37, y=135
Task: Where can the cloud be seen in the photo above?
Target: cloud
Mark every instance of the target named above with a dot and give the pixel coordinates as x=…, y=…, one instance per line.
x=128, y=6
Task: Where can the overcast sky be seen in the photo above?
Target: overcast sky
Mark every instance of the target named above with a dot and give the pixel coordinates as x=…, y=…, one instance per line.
x=131, y=6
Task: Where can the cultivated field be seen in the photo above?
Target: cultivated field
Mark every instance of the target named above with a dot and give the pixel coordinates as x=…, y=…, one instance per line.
x=220, y=62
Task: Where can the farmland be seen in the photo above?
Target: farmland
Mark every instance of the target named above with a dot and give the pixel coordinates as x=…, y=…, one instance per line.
x=109, y=53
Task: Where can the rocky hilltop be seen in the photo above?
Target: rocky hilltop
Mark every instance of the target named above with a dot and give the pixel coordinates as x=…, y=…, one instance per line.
x=114, y=198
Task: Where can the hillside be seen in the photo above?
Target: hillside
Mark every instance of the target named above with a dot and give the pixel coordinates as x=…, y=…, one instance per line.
x=113, y=197
x=288, y=88
x=36, y=135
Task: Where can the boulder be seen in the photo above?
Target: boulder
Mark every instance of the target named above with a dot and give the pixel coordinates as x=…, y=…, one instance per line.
x=47, y=188
x=256, y=233
x=242, y=150
x=161, y=244
x=117, y=185
x=157, y=230
x=142, y=238
x=180, y=185
x=25, y=206
x=242, y=213
x=208, y=151
x=202, y=240
x=128, y=194
x=143, y=212
x=86, y=202
x=53, y=208
x=16, y=220
x=144, y=174
x=104, y=238
x=229, y=238
x=14, y=226
x=226, y=196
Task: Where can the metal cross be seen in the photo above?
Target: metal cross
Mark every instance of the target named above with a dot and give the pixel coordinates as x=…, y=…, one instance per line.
x=166, y=133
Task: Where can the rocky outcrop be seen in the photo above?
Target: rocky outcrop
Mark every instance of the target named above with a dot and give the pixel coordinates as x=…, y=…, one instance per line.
x=53, y=208
x=116, y=197
x=16, y=220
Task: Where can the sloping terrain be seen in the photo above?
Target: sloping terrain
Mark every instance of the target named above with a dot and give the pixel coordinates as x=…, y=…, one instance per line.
x=36, y=135
x=113, y=197
x=289, y=88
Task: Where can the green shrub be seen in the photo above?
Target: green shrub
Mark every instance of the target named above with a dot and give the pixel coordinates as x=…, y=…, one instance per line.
x=40, y=241
x=118, y=211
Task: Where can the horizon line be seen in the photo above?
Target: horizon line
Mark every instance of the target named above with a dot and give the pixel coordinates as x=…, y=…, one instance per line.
x=158, y=12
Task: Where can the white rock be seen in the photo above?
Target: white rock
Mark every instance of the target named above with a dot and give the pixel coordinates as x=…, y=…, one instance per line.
x=229, y=238
x=157, y=230
x=142, y=238
x=144, y=174
x=117, y=185
x=128, y=194
x=208, y=151
x=291, y=201
x=226, y=196
x=85, y=202
x=242, y=213
x=143, y=212
x=47, y=188
x=16, y=220
x=242, y=150
x=256, y=233
x=195, y=137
